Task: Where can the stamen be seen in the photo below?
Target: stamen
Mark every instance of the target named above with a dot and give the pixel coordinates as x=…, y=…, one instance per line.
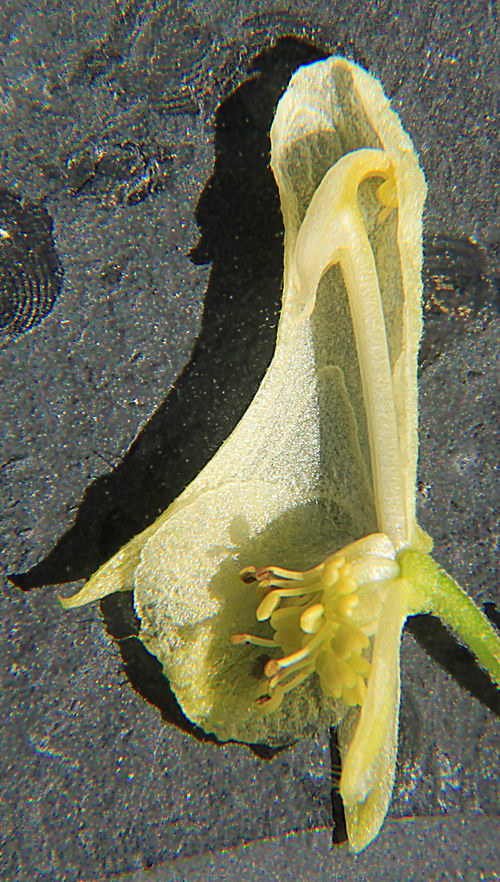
x=331, y=568
x=284, y=671
x=278, y=573
x=349, y=676
x=240, y=639
x=252, y=574
x=248, y=575
x=355, y=694
x=271, y=668
x=281, y=616
x=297, y=592
x=346, y=605
x=347, y=585
x=273, y=682
x=310, y=619
x=331, y=680
x=349, y=640
x=345, y=570
x=271, y=600
x=270, y=702
x=304, y=586
x=325, y=621
x=306, y=650
x=360, y=664
x=295, y=681
x=267, y=606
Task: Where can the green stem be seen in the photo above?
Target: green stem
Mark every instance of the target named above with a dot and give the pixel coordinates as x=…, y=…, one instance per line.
x=434, y=591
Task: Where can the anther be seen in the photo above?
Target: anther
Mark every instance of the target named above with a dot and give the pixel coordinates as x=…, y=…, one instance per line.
x=248, y=575
x=310, y=619
x=267, y=606
x=312, y=614
x=330, y=573
x=347, y=585
x=347, y=604
x=271, y=668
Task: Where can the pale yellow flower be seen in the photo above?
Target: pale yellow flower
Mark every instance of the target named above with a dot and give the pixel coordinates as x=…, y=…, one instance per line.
x=311, y=500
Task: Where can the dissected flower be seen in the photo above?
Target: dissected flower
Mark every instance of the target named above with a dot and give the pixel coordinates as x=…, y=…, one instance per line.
x=310, y=503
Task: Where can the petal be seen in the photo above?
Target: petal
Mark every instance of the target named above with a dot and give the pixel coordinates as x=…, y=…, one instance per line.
x=190, y=601
x=117, y=574
x=332, y=108
x=369, y=739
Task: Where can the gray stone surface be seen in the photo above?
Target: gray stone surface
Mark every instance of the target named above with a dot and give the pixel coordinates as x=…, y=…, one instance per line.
x=418, y=850
x=94, y=783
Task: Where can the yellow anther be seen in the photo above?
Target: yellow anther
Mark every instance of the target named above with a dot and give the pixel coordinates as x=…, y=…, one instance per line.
x=267, y=605
x=352, y=695
x=238, y=639
x=271, y=668
x=330, y=573
x=344, y=570
x=360, y=664
x=310, y=619
x=280, y=616
x=348, y=675
x=346, y=585
x=331, y=679
x=347, y=604
x=349, y=640
x=248, y=575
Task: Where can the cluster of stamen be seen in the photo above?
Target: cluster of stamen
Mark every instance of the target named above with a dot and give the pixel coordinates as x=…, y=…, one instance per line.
x=311, y=613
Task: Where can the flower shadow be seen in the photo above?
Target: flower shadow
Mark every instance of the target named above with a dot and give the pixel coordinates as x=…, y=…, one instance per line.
x=241, y=236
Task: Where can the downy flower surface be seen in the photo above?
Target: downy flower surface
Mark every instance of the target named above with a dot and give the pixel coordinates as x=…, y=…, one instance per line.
x=274, y=590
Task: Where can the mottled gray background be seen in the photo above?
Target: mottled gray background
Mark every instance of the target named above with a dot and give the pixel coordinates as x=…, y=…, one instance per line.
x=94, y=783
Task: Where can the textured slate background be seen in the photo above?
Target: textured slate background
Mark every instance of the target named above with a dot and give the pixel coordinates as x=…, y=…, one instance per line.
x=94, y=783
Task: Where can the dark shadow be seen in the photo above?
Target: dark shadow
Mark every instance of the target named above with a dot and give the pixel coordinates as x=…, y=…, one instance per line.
x=454, y=658
x=493, y=613
x=339, y=835
x=242, y=236
x=145, y=672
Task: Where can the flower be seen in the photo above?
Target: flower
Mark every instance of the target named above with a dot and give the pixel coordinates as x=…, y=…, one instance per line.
x=312, y=498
